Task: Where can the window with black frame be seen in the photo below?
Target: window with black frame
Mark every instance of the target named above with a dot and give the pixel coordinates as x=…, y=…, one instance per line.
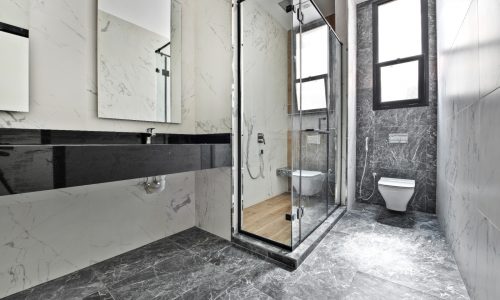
x=399, y=53
x=315, y=61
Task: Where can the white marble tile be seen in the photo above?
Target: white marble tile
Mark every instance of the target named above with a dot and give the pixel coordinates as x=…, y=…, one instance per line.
x=63, y=71
x=467, y=181
x=48, y=234
x=264, y=103
x=213, y=201
x=214, y=57
x=127, y=81
x=15, y=12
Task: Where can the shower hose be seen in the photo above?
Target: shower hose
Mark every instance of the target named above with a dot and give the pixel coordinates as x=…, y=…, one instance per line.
x=363, y=176
x=261, y=158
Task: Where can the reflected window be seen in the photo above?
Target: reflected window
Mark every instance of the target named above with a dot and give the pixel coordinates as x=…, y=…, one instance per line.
x=399, y=37
x=314, y=68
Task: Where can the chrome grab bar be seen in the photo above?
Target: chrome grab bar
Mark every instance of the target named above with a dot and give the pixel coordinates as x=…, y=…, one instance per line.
x=319, y=131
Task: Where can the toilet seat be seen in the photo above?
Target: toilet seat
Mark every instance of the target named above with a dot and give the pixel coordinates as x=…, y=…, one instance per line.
x=396, y=182
x=306, y=173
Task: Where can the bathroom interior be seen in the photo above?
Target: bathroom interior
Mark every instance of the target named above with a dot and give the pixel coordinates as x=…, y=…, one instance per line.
x=249, y=149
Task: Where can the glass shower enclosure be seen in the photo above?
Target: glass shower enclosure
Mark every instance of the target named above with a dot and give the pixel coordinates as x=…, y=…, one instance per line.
x=289, y=107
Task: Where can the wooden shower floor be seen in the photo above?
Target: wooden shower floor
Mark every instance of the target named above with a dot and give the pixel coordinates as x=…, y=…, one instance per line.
x=267, y=219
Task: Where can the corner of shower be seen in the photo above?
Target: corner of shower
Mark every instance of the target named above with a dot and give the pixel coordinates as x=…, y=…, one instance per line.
x=289, y=125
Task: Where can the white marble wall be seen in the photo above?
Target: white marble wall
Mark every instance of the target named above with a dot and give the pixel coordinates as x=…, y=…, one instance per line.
x=48, y=234
x=214, y=55
x=127, y=78
x=15, y=12
x=265, y=101
x=213, y=201
x=63, y=70
x=468, y=179
x=351, y=103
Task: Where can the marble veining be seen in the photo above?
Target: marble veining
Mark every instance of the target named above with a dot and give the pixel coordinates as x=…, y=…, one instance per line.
x=415, y=160
x=360, y=258
x=49, y=234
x=64, y=34
x=264, y=103
x=468, y=140
x=127, y=80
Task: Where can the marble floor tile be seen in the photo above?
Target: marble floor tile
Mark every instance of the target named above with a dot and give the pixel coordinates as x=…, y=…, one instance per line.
x=101, y=295
x=362, y=219
x=369, y=254
x=212, y=286
x=118, y=268
x=369, y=287
x=168, y=279
x=200, y=242
x=71, y=287
x=243, y=291
x=237, y=261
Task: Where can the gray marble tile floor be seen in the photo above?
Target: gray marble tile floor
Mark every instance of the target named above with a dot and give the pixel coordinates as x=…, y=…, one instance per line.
x=369, y=254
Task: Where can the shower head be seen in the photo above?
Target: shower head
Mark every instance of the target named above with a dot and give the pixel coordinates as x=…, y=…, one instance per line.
x=366, y=143
x=287, y=5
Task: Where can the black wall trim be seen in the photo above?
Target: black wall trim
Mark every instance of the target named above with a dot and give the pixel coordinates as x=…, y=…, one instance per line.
x=72, y=137
x=37, y=160
x=14, y=30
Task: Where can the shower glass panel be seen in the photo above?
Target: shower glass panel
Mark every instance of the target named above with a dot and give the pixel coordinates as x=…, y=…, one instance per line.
x=289, y=109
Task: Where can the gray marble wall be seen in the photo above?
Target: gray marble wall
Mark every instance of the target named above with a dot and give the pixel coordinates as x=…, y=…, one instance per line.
x=415, y=160
x=468, y=179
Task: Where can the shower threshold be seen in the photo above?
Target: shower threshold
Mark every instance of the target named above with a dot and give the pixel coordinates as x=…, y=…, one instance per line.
x=289, y=259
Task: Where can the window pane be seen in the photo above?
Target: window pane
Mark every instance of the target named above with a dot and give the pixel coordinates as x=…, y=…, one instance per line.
x=314, y=52
x=313, y=94
x=399, y=30
x=399, y=82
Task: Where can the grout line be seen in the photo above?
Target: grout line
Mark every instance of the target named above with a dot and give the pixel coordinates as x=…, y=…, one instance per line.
x=461, y=24
x=489, y=93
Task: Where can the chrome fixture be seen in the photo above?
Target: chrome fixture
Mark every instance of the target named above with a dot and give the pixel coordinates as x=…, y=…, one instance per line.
x=150, y=132
x=157, y=185
x=261, y=139
x=287, y=5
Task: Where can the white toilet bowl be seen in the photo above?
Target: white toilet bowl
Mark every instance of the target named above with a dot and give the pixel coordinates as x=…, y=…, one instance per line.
x=396, y=192
x=312, y=182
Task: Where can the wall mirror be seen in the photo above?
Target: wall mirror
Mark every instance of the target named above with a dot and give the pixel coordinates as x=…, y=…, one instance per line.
x=14, y=58
x=139, y=60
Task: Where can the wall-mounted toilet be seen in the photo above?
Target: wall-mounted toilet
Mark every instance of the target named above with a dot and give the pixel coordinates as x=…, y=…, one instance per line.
x=396, y=192
x=312, y=182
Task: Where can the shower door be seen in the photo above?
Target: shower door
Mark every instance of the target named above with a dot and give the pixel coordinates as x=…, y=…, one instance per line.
x=316, y=115
x=288, y=115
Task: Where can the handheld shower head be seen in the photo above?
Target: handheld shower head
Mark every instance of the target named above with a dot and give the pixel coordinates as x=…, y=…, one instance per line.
x=366, y=143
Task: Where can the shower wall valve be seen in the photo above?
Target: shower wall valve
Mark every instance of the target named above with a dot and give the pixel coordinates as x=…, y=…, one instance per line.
x=261, y=139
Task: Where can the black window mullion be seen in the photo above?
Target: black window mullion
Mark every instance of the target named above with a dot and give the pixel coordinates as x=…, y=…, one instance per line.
x=422, y=66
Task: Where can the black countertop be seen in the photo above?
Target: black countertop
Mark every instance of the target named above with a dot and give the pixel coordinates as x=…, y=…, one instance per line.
x=36, y=160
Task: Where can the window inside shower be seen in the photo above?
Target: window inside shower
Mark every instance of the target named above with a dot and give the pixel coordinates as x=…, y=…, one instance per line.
x=289, y=120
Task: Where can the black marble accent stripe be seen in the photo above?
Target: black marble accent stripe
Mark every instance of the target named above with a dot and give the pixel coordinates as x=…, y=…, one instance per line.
x=72, y=137
x=44, y=167
x=14, y=30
